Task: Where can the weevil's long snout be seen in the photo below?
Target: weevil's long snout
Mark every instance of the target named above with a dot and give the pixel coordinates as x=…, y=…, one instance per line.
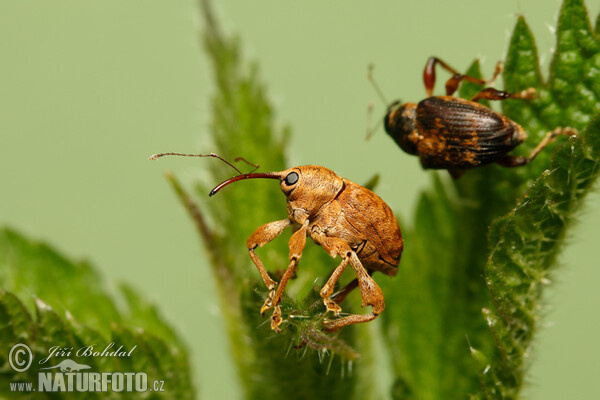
x=268, y=175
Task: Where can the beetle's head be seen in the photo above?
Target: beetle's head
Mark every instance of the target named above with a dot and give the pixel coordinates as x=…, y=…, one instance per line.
x=306, y=187
x=309, y=187
x=400, y=122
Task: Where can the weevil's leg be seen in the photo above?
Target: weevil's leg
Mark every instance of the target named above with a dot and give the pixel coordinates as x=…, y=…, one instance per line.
x=494, y=94
x=341, y=294
x=371, y=293
x=327, y=289
x=497, y=71
x=339, y=323
x=454, y=81
x=261, y=236
x=516, y=161
x=429, y=74
x=335, y=247
x=297, y=242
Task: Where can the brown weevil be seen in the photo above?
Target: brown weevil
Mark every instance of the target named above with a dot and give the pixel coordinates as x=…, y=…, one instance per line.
x=345, y=219
x=447, y=132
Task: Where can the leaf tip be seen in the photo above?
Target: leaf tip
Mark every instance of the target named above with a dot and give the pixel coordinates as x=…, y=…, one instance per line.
x=41, y=305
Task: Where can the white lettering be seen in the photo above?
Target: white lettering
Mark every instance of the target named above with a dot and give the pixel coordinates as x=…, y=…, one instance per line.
x=94, y=381
x=45, y=381
x=118, y=381
x=59, y=382
x=141, y=382
x=88, y=382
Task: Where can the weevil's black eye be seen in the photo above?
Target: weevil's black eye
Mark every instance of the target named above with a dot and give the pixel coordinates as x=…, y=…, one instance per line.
x=291, y=178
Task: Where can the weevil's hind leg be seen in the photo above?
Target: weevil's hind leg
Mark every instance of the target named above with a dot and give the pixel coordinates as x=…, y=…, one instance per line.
x=341, y=294
x=261, y=236
x=297, y=243
x=454, y=81
x=495, y=94
x=517, y=161
x=371, y=293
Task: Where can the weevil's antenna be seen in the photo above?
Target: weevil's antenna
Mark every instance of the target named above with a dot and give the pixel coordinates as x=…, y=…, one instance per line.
x=256, y=166
x=378, y=90
x=156, y=156
x=241, y=176
x=372, y=128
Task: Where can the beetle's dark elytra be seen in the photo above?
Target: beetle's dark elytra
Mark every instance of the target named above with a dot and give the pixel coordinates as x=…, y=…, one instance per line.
x=450, y=133
x=463, y=134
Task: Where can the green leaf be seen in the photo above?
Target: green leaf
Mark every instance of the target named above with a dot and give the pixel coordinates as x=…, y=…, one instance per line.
x=46, y=300
x=573, y=72
x=32, y=270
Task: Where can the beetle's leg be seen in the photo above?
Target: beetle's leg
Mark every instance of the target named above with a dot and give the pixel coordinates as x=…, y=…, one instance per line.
x=327, y=289
x=371, y=293
x=297, y=242
x=516, y=161
x=341, y=294
x=494, y=94
x=261, y=236
x=335, y=247
x=454, y=81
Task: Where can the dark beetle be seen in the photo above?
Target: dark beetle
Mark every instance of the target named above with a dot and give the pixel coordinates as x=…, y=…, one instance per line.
x=447, y=132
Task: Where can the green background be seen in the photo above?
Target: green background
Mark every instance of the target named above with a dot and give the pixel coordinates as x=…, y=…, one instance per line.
x=89, y=89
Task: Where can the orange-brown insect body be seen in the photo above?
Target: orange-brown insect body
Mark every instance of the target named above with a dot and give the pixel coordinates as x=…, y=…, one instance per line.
x=337, y=207
x=344, y=218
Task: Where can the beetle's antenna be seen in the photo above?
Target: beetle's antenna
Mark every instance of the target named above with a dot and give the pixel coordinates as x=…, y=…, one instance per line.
x=372, y=128
x=256, y=166
x=378, y=90
x=156, y=156
x=269, y=175
x=241, y=176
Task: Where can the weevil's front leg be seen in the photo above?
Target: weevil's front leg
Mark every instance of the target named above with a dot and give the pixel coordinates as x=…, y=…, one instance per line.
x=516, y=161
x=297, y=243
x=261, y=236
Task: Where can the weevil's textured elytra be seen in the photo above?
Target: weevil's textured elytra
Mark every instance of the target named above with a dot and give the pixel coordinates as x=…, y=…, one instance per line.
x=450, y=133
x=345, y=219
